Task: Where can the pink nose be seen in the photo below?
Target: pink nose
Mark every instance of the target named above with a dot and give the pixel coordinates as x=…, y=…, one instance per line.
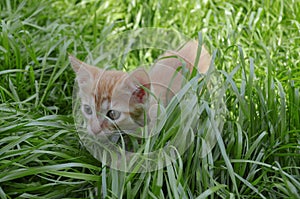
x=96, y=130
x=94, y=127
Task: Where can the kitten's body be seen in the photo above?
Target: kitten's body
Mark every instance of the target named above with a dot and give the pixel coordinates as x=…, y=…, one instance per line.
x=115, y=100
x=163, y=70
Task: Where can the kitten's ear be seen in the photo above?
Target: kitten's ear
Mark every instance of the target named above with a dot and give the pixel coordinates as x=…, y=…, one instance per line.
x=84, y=72
x=141, y=77
x=75, y=63
x=142, y=85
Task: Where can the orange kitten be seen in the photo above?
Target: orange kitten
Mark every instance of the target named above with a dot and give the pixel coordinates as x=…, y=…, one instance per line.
x=117, y=101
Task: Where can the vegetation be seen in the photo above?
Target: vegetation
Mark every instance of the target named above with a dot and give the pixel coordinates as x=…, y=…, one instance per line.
x=256, y=47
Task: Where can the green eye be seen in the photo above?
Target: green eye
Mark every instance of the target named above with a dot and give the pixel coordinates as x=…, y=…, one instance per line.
x=113, y=115
x=87, y=109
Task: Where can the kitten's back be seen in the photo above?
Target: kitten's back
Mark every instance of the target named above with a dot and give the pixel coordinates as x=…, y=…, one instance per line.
x=163, y=76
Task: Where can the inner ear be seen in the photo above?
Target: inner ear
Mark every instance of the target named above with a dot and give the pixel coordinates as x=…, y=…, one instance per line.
x=139, y=96
x=140, y=81
x=84, y=77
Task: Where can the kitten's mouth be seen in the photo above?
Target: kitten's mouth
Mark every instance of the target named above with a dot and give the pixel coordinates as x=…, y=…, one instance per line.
x=123, y=140
x=116, y=136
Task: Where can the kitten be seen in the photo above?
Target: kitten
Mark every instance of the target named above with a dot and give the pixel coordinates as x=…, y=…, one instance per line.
x=117, y=101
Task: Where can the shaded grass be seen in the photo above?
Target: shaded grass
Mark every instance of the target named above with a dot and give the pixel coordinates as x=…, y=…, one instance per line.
x=257, y=56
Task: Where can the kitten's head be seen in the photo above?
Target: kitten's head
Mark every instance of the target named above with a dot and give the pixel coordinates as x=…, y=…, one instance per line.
x=111, y=100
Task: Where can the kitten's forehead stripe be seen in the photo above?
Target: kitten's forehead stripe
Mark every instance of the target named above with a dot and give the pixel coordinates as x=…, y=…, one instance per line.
x=105, y=104
x=105, y=84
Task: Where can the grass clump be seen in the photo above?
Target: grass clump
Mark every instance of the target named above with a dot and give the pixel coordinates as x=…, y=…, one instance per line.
x=256, y=56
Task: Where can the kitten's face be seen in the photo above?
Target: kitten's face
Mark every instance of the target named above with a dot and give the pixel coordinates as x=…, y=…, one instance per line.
x=111, y=100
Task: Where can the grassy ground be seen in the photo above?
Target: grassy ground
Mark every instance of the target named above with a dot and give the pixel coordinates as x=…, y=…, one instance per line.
x=256, y=46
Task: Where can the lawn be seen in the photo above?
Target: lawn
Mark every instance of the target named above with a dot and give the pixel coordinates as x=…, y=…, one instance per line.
x=255, y=68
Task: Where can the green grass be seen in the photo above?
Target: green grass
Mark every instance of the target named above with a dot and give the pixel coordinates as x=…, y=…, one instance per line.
x=256, y=47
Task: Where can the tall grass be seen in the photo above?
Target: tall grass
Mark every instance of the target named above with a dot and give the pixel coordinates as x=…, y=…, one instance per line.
x=256, y=56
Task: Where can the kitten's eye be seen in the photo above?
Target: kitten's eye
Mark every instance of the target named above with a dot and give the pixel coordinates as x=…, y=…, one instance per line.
x=113, y=115
x=87, y=109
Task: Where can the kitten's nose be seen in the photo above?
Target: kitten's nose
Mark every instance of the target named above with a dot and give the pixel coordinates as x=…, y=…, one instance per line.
x=98, y=125
x=95, y=127
x=96, y=131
